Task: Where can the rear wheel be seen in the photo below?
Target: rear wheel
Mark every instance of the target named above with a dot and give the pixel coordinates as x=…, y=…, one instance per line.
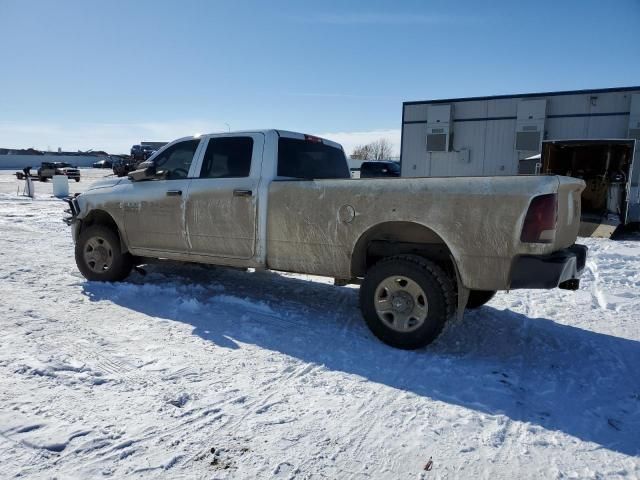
x=99, y=257
x=406, y=299
x=477, y=298
x=77, y=179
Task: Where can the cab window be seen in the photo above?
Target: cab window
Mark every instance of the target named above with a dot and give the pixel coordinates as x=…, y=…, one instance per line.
x=310, y=159
x=175, y=161
x=227, y=157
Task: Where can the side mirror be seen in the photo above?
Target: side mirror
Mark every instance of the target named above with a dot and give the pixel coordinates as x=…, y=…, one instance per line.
x=150, y=171
x=145, y=171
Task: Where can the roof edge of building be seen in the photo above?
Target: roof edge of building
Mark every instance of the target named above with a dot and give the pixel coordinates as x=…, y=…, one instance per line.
x=523, y=95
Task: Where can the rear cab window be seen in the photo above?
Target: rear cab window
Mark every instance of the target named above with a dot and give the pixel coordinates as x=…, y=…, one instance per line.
x=310, y=159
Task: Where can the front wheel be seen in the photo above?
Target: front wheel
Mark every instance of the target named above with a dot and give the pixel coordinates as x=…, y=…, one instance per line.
x=406, y=299
x=99, y=257
x=77, y=179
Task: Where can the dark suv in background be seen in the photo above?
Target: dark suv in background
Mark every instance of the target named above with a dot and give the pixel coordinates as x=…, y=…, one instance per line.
x=123, y=166
x=379, y=169
x=141, y=152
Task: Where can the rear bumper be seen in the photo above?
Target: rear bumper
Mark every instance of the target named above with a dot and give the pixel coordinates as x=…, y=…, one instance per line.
x=558, y=269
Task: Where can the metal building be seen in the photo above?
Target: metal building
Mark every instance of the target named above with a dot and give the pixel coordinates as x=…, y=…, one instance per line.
x=590, y=134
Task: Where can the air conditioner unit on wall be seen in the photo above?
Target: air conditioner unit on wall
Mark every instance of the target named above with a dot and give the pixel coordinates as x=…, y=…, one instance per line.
x=439, y=122
x=437, y=140
x=528, y=138
x=530, y=125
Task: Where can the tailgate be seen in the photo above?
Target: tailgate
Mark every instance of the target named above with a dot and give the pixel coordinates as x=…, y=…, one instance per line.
x=569, y=203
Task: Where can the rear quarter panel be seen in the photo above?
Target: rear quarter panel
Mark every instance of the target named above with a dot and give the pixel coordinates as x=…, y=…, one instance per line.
x=569, y=210
x=479, y=218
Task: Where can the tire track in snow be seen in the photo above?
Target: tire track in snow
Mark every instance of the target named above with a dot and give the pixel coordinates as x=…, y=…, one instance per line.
x=34, y=456
x=509, y=432
x=127, y=373
x=95, y=356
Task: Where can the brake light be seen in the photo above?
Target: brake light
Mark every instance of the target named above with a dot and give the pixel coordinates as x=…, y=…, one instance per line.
x=540, y=223
x=311, y=138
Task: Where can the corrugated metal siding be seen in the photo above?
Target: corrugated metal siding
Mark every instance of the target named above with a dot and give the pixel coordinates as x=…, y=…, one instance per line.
x=565, y=128
x=414, y=113
x=608, y=127
x=487, y=128
x=414, y=148
x=502, y=108
x=470, y=110
x=570, y=104
x=466, y=136
x=500, y=156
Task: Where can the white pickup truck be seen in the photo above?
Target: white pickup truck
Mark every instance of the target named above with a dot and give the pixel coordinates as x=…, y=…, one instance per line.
x=421, y=248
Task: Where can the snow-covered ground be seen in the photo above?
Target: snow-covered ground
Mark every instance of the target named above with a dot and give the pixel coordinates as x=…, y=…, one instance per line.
x=198, y=372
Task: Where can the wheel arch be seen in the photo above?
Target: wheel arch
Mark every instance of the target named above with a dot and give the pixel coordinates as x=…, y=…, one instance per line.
x=101, y=217
x=397, y=238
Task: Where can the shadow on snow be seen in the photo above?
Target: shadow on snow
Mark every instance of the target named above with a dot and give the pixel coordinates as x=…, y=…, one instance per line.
x=559, y=377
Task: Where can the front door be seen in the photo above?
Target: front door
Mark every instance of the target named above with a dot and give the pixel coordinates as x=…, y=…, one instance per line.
x=222, y=205
x=154, y=209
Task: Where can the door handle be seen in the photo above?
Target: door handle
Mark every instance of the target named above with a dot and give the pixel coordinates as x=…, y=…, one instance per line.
x=174, y=193
x=242, y=193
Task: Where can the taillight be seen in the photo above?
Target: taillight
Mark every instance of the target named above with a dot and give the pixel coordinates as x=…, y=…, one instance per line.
x=540, y=223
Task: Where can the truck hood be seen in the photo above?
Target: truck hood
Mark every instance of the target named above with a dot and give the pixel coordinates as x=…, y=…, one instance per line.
x=107, y=183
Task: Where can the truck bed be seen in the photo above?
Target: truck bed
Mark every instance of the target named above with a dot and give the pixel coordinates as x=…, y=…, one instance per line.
x=304, y=238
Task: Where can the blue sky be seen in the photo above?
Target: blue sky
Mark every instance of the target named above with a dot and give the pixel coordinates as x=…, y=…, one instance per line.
x=106, y=74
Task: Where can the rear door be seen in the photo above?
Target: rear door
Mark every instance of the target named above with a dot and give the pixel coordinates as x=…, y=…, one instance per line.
x=221, y=210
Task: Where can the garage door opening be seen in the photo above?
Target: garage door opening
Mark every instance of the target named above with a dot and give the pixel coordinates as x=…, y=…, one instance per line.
x=605, y=166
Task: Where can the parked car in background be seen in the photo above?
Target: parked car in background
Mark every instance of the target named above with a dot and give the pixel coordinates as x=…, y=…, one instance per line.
x=136, y=152
x=121, y=167
x=103, y=164
x=141, y=152
x=421, y=248
x=48, y=169
x=379, y=169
